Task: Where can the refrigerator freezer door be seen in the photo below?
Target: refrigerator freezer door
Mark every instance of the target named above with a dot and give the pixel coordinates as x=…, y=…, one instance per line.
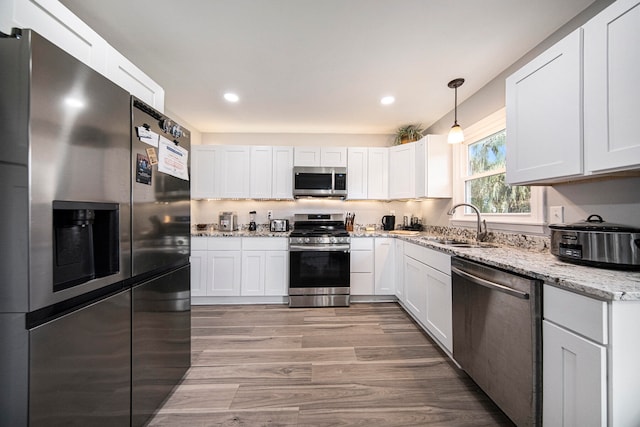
x=161, y=212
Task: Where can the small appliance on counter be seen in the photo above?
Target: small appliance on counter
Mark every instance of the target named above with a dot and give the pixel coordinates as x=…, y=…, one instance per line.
x=228, y=221
x=279, y=225
x=252, y=221
x=388, y=222
x=412, y=223
x=597, y=243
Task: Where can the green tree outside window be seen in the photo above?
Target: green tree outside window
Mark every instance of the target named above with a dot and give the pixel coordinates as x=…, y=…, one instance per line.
x=485, y=185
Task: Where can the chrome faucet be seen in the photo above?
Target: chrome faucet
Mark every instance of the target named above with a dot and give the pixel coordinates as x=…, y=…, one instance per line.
x=480, y=234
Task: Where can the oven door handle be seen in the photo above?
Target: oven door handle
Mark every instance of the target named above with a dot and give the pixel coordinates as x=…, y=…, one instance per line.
x=491, y=285
x=319, y=248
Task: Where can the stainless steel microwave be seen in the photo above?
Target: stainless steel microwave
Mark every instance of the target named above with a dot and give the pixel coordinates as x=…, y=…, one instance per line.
x=319, y=182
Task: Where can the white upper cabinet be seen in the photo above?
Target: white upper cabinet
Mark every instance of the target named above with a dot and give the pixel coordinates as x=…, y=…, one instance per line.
x=433, y=167
x=129, y=77
x=306, y=156
x=205, y=168
x=571, y=112
x=55, y=22
x=611, y=88
x=378, y=173
x=544, y=115
x=241, y=172
x=333, y=157
x=357, y=172
x=282, y=174
x=420, y=169
x=235, y=167
x=320, y=156
x=261, y=171
x=402, y=171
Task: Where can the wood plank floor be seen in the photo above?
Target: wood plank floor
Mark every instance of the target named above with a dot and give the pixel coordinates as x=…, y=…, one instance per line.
x=364, y=365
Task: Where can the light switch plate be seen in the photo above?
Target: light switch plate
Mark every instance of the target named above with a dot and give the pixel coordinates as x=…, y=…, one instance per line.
x=556, y=214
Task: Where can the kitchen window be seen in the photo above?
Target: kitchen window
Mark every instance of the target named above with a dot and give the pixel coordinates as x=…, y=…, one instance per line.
x=479, y=179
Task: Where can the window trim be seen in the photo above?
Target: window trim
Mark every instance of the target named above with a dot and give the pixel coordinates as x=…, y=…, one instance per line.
x=532, y=223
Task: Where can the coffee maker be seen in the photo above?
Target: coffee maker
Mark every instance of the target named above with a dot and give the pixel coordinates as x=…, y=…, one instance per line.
x=227, y=221
x=388, y=222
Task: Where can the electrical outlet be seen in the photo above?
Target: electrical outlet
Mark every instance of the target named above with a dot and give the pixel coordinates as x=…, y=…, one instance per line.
x=269, y=214
x=556, y=214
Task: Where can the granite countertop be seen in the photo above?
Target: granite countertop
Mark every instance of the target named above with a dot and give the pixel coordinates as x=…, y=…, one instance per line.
x=600, y=283
x=241, y=233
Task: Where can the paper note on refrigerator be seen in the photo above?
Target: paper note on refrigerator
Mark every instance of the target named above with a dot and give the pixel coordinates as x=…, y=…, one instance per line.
x=173, y=159
x=147, y=136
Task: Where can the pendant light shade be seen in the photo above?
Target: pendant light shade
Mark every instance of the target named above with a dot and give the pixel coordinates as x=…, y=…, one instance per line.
x=456, y=135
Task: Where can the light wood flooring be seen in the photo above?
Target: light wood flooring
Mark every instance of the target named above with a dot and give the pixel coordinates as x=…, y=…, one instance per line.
x=364, y=365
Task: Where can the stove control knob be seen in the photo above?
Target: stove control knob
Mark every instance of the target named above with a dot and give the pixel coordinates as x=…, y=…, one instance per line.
x=307, y=240
x=333, y=240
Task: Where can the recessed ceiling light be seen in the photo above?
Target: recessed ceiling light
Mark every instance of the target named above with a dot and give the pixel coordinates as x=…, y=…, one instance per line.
x=231, y=97
x=387, y=100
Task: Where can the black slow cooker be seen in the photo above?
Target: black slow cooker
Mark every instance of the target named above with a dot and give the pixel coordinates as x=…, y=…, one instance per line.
x=597, y=243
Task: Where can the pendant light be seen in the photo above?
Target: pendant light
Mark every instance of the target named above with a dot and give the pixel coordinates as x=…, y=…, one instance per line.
x=456, y=135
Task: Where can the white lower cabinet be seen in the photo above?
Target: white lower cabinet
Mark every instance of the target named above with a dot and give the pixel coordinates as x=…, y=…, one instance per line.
x=427, y=291
x=253, y=269
x=384, y=266
x=574, y=336
x=276, y=278
x=574, y=379
x=223, y=278
x=362, y=266
x=235, y=266
x=415, y=293
x=198, y=262
x=399, y=269
x=439, y=313
x=372, y=266
x=265, y=266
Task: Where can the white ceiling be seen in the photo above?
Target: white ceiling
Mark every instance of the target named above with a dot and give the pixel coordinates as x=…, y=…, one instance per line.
x=321, y=65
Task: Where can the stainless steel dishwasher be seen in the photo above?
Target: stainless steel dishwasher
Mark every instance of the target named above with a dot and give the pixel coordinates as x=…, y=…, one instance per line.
x=497, y=329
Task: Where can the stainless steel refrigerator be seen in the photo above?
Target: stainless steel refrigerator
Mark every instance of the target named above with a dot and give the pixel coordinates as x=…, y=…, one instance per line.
x=160, y=231
x=65, y=305
x=94, y=272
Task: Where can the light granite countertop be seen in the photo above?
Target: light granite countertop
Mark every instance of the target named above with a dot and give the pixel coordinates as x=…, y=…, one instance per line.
x=536, y=262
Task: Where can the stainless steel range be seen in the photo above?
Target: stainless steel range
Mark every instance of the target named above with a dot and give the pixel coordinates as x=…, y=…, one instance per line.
x=319, y=261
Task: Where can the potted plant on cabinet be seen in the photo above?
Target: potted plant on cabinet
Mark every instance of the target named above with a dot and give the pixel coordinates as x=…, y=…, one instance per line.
x=408, y=133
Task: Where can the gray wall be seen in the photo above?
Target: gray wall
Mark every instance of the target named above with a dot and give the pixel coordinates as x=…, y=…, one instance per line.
x=615, y=199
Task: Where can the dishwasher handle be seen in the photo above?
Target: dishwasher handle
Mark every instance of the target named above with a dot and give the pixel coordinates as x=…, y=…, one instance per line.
x=491, y=285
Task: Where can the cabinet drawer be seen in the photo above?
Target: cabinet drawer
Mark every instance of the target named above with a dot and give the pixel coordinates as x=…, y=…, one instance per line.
x=224, y=243
x=583, y=315
x=265, y=244
x=434, y=259
x=199, y=243
x=362, y=243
